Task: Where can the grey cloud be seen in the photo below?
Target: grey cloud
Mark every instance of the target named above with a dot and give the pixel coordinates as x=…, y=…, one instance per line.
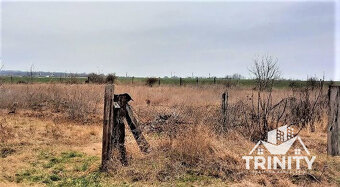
x=154, y=39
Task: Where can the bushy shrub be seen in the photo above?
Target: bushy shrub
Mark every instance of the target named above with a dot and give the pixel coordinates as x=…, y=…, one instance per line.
x=294, y=85
x=151, y=81
x=72, y=79
x=96, y=78
x=111, y=78
x=22, y=82
x=312, y=83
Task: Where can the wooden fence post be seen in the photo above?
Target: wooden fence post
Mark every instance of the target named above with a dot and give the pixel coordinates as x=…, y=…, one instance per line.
x=108, y=123
x=224, y=109
x=159, y=81
x=180, y=81
x=136, y=131
x=333, y=129
x=116, y=108
x=118, y=132
x=196, y=81
x=214, y=80
x=132, y=80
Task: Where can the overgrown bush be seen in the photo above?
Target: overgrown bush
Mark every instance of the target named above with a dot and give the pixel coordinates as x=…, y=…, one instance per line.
x=77, y=102
x=111, y=78
x=312, y=83
x=22, y=82
x=151, y=81
x=294, y=85
x=96, y=78
x=72, y=79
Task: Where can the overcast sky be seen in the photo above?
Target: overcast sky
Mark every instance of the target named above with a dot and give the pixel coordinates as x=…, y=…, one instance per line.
x=160, y=38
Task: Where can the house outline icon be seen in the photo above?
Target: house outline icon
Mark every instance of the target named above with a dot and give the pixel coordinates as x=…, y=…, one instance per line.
x=279, y=141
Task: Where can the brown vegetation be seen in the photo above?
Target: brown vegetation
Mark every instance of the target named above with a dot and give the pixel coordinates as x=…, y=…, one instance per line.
x=56, y=129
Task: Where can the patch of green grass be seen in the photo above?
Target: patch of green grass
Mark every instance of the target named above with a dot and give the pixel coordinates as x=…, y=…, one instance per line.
x=65, y=169
x=71, y=154
x=24, y=80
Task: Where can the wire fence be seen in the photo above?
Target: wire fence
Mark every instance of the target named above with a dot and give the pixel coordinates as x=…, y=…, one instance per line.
x=162, y=118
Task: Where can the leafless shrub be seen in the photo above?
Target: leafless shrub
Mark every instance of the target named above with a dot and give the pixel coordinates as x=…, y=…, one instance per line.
x=260, y=115
x=265, y=70
x=78, y=102
x=77, y=107
x=81, y=105
x=309, y=105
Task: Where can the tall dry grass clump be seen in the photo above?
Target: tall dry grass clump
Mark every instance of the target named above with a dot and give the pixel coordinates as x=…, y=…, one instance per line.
x=78, y=102
x=6, y=132
x=196, y=151
x=195, y=145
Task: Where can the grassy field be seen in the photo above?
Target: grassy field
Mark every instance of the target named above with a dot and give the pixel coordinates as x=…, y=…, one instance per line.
x=163, y=81
x=54, y=139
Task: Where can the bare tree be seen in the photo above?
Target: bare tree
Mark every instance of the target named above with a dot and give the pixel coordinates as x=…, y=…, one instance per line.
x=265, y=70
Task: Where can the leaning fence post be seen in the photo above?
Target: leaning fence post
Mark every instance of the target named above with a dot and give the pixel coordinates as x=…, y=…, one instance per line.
x=108, y=123
x=333, y=129
x=136, y=131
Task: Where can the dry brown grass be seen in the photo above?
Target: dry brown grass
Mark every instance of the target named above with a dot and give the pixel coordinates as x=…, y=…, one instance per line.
x=49, y=124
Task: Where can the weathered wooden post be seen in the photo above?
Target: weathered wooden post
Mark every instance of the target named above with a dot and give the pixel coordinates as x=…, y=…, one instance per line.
x=132, y=80
x=180, y=81
x=196, y=81
x=333, y=129
x=118, y=132
x=214, y=80
x=159, y=81
x=136, y=131
x=108, y=123
x=116, y=108
x=224, y=110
